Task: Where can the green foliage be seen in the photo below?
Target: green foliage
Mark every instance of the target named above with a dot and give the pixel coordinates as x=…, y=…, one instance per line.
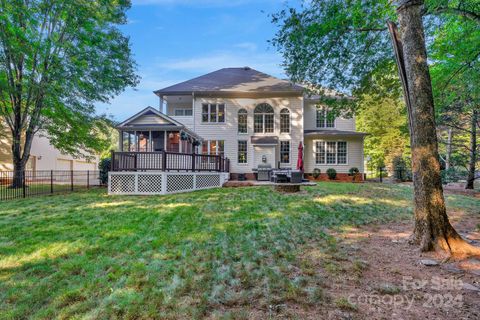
x=105, y=165
x=401, y=169
x=316, y=173
x=331, y=173
x=58, y=59
x=353, y=171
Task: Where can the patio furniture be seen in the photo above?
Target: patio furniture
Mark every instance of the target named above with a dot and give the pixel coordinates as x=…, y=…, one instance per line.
x=296, y=176
x=286, y=175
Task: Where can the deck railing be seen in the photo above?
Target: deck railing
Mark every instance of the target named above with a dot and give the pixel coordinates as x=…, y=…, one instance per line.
x=168, y=161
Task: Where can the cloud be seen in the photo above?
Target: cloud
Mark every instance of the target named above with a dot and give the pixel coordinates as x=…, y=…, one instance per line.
x=265, y=62
x=247, y=46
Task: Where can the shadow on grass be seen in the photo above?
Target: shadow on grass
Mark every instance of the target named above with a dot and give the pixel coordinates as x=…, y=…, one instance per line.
x=179, y=255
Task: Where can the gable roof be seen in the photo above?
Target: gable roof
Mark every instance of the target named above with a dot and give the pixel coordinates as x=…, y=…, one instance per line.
x=171, y=124
x=233, y=80
x=149, y=111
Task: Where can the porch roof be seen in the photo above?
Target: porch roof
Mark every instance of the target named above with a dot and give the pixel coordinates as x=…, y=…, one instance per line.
x=326, y=132
x=150, y=119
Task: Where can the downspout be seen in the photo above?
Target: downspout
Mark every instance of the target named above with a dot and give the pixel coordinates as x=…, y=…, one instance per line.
x=193, y=111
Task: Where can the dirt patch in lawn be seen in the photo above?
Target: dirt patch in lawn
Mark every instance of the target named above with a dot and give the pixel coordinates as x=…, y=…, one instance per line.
x=399, y=282
x=375, y=274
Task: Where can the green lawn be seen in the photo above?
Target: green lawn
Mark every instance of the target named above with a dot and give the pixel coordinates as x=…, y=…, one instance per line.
x=89, y=255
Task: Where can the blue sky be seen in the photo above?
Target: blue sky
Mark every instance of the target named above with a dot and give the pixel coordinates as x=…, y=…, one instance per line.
x=176, y=40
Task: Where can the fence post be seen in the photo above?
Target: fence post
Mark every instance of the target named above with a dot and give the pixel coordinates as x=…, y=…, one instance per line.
x=71, y=180
x=51, y=181
x=88, y=179
x=193, y=161
x=164, y=160
x=112, y=159
x=24, y=185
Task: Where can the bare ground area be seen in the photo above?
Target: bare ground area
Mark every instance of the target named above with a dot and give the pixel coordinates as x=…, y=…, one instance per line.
x=376, y=274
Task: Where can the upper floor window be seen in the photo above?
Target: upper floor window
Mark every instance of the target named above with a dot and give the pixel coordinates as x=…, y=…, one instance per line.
x=263, y=118
x=325, y=118
x=213, y=113
x=242, y=121
x=183, y=112
x=285, y=121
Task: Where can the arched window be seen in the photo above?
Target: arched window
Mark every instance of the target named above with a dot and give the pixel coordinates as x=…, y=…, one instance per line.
x=242, y=121
x=263, y=118
x=284, y=121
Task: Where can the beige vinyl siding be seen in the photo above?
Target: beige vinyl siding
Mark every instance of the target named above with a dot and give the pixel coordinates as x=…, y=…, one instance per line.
x=185, y=120
x=149, y=119
x=5, y=148
x=228, y=131
x=354, y=154
x=344, y=124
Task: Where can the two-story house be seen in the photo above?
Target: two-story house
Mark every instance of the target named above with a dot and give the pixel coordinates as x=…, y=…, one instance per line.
x=246, y=116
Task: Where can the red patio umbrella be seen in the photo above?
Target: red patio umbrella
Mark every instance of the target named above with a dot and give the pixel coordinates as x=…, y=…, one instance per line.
x=300, y=157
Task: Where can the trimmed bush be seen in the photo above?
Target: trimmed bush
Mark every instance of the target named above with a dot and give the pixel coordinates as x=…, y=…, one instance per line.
x=331, y=173
x=104, y=167
x=316, y=173
x=353, y=171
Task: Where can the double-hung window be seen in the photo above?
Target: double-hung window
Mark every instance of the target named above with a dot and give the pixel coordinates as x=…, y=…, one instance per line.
x=263, y=118
x=183, y=112
x=325, y=119
x=242, y=151
x=285, y=121
x=242, y=121
x=284, y=151
x=331, y=152
x=213, y=148
x=213, y=113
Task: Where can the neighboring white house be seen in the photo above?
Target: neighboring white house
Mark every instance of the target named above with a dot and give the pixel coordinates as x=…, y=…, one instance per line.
x=44, y=156
x=246, y=115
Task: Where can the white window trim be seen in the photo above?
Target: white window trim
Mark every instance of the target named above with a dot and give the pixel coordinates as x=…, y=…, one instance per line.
x=289, y=122
x=242, y=163
x=325, y=119
x=263, y=121
x=336, y=153
x=289, y=152
x=238, y=132
x=209, y=113
x=183, y=109
x=209, y=147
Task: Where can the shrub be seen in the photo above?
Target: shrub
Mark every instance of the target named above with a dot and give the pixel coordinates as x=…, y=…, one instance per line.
x=104, y=166
x=401, y=171
x=316, y=173
x=353, y=171
x=331, y=173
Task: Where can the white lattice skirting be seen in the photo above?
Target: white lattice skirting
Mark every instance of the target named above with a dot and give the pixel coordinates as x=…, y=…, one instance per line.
x=151, y=183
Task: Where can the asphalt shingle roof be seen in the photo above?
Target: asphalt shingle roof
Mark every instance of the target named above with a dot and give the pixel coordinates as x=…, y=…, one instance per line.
x=233, y=80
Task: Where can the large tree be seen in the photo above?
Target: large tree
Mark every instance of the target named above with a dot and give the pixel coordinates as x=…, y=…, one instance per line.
x=340, y=43
x=57, y=58
x=455, y=75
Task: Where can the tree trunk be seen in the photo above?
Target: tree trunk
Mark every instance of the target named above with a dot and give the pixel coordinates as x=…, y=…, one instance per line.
x=19, y=158
x=473, y=151
x=449, y=149
x=432, y=227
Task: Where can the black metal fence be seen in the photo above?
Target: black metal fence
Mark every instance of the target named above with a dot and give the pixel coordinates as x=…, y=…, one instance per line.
x=33, y=183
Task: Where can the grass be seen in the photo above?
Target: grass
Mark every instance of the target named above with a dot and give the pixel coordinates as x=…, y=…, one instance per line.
x=207, y=253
